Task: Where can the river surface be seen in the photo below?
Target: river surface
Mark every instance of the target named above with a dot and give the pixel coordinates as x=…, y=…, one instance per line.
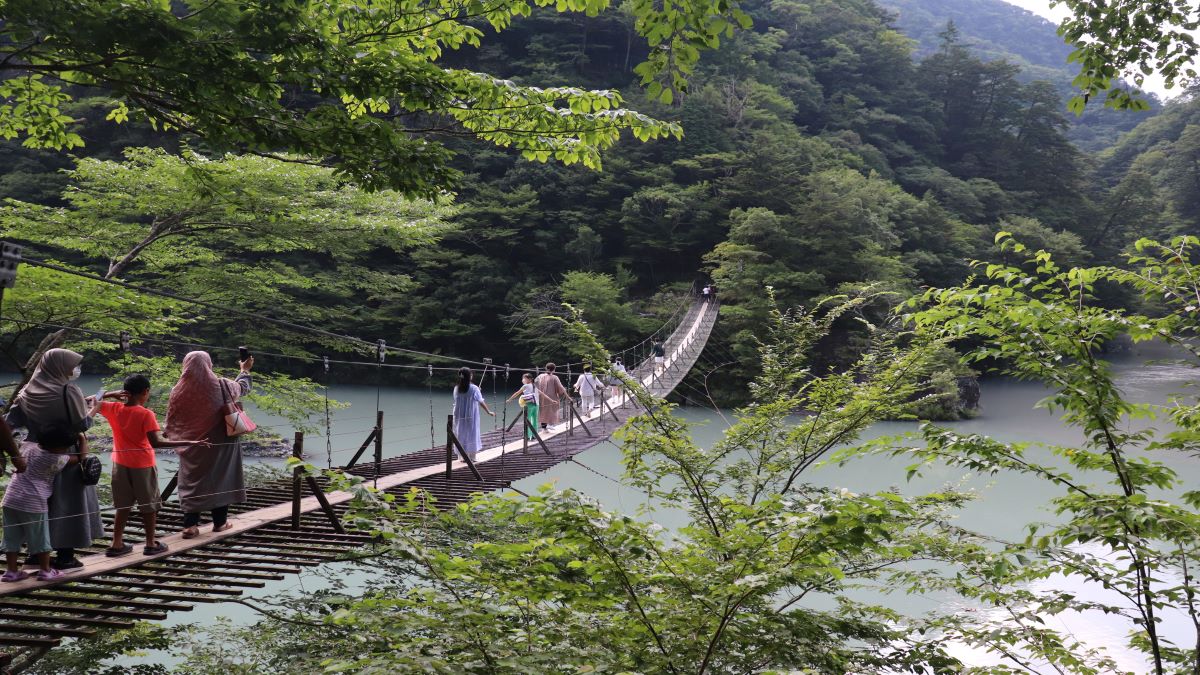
x=1005, y=503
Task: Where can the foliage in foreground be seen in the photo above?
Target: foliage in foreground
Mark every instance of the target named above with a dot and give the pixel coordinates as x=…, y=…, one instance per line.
x=1126, y=522
x=769, y=571
x=554, y=583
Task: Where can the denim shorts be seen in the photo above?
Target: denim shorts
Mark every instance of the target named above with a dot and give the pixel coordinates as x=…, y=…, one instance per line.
x=22, y=527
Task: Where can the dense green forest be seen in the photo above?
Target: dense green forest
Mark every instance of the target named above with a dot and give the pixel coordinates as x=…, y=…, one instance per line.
x=996, y=30
x=822, y=149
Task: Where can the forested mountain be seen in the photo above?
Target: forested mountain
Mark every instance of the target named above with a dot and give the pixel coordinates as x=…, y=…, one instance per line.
x=819, y=152
x=998, y=30
x=994, y=29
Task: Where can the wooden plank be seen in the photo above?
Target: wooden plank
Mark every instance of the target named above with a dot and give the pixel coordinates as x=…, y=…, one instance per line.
x=283, y=550
x=76, y=610
x=139, y=582
x=274, y=560
x=278, y=530
x=303, y=541
x=217, y=566
x=28, y=641
x=57, y=631
x=109, y=602
x=212, y=570
x=70, y=620
x=185, y=577
x=120, y=589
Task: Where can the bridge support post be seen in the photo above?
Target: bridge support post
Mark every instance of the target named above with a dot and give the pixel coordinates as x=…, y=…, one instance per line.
x=574, y=415
x=366, y=443
x=520, y=415
x=325, y=505
x=530, y=429
x=297, y=475
x=610, y=410
x=378, y=441
x=167, y=492
x=453, y=443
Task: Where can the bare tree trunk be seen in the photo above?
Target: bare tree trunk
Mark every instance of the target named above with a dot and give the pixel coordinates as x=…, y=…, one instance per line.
x=58, y=337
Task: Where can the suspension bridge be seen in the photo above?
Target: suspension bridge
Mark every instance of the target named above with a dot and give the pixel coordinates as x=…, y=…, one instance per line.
x=291, y=524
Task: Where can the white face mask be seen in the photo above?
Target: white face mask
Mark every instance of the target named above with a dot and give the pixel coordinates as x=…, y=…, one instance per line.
x=77, y=372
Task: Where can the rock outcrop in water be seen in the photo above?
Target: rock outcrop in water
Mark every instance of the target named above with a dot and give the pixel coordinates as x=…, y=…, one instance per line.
x=949, y=396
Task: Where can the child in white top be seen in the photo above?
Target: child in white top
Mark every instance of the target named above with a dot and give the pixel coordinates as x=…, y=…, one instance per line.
x=529, y=400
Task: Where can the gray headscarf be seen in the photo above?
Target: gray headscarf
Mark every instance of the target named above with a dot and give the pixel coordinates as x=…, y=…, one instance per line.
x=42, y=400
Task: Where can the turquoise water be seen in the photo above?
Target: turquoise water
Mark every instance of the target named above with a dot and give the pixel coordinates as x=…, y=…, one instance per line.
x=1005, y=503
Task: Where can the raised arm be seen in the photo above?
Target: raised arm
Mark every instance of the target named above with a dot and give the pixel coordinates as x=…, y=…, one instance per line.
x=157, y=441
x=243, y=380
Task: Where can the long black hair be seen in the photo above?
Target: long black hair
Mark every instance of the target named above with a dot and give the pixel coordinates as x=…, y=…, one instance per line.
x=464, y=380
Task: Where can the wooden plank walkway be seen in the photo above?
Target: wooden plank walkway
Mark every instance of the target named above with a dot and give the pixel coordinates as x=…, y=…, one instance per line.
x=262, y=546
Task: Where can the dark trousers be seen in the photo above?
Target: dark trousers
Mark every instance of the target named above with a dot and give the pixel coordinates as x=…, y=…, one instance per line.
x=219, y=516
x=62, y=555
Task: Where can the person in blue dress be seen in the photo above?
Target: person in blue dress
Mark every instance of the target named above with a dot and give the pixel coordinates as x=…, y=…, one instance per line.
x=468, y=399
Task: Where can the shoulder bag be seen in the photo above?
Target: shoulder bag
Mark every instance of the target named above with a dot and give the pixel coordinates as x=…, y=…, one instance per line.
x=90, y=465
x=237, y=422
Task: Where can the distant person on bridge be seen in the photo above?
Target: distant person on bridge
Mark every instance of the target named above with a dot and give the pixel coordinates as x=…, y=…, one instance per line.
x=528, y=397
x=468, y=399
x=52, y=399
x=660, y=356
x=551, y=391
x=589, y=388
x=209, y=479
x=618, y=369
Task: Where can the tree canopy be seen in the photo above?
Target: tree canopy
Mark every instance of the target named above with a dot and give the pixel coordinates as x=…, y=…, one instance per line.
x=1135, y=38
x=356, y=85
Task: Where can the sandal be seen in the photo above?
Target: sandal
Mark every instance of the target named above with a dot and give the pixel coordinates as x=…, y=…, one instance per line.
x=191, y=532
x=157, y=548
x=125, y=549
x=223, y=527
x=19, y=575
x=49, y=575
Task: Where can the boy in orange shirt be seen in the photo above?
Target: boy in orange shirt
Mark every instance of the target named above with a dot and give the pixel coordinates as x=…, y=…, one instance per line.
x=135, y=471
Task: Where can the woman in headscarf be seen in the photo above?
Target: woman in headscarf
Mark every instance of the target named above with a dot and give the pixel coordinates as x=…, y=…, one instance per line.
x=210, y=479
x=551, y=391
x=51, y=399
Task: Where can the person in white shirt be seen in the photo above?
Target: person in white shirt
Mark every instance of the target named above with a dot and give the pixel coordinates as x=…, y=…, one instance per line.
x=589, y=388
x=618, y=369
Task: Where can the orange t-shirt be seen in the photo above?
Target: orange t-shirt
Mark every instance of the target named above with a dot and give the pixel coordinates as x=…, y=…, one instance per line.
x=130, y=424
